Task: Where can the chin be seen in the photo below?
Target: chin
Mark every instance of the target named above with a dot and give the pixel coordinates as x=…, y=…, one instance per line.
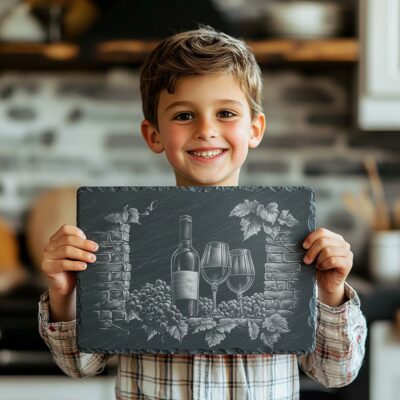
x=207, y=178
x=202, y=181
x=210, y=181
x=206, y=182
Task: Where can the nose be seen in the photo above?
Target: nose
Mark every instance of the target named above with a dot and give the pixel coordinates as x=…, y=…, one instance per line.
x=205, y=129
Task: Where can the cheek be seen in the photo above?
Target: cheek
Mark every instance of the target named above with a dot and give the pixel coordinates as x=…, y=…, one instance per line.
x=173, y=146
x=238, y=137
x=173, y=138
x=242, y=151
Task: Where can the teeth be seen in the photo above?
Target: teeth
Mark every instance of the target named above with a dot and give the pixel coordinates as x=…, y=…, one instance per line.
x=207, y=154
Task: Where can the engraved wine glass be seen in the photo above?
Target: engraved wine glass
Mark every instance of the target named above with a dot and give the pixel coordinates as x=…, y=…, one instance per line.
x=242, y=274
x=215, y=268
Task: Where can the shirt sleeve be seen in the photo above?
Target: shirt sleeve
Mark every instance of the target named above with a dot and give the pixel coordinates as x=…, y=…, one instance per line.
x=60, y=337
x=340, y=343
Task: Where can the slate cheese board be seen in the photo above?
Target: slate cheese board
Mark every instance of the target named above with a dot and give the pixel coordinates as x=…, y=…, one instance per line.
x=199, y=270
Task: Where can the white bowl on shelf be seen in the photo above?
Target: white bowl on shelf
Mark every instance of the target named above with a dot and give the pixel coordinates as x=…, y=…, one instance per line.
x=304, y=19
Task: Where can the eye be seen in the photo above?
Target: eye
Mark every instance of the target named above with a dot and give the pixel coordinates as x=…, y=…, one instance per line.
x=183, y=116
x=226, y=114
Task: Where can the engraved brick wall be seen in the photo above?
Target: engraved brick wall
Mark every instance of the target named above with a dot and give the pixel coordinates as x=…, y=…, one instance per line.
x=113, y=275
x=282, y=272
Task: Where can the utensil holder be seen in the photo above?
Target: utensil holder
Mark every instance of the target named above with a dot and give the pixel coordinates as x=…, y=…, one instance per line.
x=385, y=256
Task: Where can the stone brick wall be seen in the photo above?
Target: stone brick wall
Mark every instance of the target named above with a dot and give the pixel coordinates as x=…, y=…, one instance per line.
x=113, y=271
x=82, y=128
x=282, y=271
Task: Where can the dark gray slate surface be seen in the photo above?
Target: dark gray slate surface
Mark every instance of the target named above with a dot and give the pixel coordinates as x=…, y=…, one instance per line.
x=124, y=299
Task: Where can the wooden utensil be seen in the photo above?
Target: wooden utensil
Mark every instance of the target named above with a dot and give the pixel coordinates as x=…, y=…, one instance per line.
x=382, y=209
x=361, y=206
x=396, y=214
x=350, y=202
x=368, y=209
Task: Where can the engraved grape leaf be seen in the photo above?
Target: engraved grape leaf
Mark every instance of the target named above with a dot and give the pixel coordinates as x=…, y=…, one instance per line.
x=204, y=325
x=276, y=323
x=255, y=216
x=285, y=218
x=254, y=330
x=245, y=208
x=269, y=214
x=225, y=325
x=269, y=325
x=249, y=227
x=270, y=338
x=178, y=331
x=272, y=231
x=150, y=332
x=280, y=323
x=213, y=338
x=115, y=218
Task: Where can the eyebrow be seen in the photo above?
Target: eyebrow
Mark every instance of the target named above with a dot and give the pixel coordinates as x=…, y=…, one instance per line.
x=188, y=103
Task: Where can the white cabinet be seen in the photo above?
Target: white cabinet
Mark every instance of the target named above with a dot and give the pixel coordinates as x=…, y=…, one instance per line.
x=379, y=67
x=385, y=365
x=56, y=387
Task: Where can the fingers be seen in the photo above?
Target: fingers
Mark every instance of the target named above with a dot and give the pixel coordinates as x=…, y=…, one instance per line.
x=339, y=263
x=329, y=251
x=72, y=241
x=326, y=247
x=317, y=234
x=66, y=230
x=68, y=250
x=71, y=247
x=332, y=252
x=72, y=253
x=334, y=260
x=51, y=267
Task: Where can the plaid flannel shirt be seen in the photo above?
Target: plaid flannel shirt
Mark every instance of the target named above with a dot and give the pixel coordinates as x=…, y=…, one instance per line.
x=340, y=347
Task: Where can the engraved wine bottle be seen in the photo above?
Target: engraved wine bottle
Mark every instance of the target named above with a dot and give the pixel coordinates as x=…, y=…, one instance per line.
x=185, y=264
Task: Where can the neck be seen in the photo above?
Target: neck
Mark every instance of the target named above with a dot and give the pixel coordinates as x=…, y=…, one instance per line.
x=231, y=180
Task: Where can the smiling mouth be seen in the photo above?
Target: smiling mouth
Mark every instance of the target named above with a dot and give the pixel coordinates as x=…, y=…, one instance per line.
x=207, y=153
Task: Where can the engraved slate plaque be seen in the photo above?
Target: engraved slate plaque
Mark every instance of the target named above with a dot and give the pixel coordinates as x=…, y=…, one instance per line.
x=214, y=270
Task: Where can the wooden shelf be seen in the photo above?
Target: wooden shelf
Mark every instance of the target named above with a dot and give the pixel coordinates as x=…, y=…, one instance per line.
x=135, y=51
x=329, y=50
x=266, y=51
x=56, y=51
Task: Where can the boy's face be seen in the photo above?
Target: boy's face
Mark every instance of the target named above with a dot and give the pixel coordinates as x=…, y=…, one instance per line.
x=205, y=129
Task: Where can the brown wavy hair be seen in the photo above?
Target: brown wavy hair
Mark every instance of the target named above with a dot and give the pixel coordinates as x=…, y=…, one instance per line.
x=201, y=51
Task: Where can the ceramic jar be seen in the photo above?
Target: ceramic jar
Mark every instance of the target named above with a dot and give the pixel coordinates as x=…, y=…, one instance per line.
x=385, y=256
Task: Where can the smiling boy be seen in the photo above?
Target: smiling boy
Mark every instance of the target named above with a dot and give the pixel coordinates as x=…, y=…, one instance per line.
x=201, y=93
x=205, y=128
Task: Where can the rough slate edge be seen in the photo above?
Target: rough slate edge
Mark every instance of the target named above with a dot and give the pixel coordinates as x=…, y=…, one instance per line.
x=312, y=320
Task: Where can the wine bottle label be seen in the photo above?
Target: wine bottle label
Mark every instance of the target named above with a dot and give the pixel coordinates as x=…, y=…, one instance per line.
x=186, y=285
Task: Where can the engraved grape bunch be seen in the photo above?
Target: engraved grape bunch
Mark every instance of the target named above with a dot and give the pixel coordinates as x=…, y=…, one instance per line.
x=153, y=304
x=253, y=306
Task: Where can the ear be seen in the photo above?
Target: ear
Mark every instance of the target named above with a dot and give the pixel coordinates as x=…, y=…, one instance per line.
x=152, y=136
x=257, y=130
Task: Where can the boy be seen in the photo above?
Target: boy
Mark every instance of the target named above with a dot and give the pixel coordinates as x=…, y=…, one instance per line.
x=201, y=102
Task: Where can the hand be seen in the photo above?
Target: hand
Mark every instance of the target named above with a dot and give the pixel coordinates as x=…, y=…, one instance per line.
x=334, y=260
x=67, y=252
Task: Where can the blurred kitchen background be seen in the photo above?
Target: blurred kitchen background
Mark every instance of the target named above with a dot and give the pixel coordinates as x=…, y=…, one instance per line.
x=70, y=112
